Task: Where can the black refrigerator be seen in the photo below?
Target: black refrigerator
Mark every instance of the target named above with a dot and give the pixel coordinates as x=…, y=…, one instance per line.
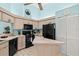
x=27, y=31
x=49, y=31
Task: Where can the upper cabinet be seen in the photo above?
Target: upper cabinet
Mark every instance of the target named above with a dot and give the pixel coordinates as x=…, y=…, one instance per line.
x=7, y=18
x=34, y=24
x=11, y=19
x=0, y=15
x=18, y=23
x=28, y=21
x=25, y=21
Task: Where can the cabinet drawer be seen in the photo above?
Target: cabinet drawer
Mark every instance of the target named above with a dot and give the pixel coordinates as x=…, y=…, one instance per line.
x=5, y=44
x=4, y=52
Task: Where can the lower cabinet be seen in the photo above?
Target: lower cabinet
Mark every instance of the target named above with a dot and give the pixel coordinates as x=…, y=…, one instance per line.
x=4, y=50
x=21, y=42
x=8, y=48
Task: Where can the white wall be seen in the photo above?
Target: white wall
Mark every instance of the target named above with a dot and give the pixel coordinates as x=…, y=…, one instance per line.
x=67, y=30
x=61, y=32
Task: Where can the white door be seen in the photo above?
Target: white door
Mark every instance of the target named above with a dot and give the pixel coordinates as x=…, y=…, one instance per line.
x=73, y=35
x=61, y=32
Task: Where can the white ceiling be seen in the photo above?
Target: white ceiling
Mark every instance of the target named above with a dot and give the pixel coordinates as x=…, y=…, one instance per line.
x=49, y=9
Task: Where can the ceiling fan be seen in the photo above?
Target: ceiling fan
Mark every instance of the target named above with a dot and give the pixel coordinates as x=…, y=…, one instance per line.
x=39, y=5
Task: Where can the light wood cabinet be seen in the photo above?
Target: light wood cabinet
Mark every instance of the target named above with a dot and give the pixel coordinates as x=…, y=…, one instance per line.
x=4, y=51
x=41, y=24
x=7, y=18
x=11, y=19
x=21, y=42
x=25, y=21
x=18, y=23
x=30, y=22
x=35, y=24
x=0, y=16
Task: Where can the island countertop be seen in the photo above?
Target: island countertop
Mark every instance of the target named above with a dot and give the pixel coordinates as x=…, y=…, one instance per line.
x=3, y=40
x=8, y=38
x=42, y=40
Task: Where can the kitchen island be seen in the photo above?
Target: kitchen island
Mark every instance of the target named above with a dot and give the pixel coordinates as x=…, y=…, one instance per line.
x=8, y=45
x=46, y=47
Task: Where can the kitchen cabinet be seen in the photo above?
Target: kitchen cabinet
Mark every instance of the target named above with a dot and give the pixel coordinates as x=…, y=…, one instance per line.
x=4, y=52
x=46, y=21
x=21, y=42
x=25, y=21
x=30, y=22
x=11, y=19
x=7, y=18
x=18, y=23
x=4, y=49
x=8, y=48
x=0, y=15
x=35, y=25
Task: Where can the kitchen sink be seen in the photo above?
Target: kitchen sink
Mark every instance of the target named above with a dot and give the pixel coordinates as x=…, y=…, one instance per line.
x=3, y=36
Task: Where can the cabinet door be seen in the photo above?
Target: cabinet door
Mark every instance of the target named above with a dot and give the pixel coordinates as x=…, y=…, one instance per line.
x=35, y=24
x=4, y=51
x=30, y=22
x=0, y=16
x=7, y=18
x=11, y=19
x=18, y=24
x=21, y=42
x=25, y=21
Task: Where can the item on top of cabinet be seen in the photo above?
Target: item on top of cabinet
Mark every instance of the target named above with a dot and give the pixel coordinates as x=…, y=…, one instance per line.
x=7, y=29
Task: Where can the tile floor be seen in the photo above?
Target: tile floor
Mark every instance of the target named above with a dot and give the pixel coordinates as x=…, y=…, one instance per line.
x=31, y=51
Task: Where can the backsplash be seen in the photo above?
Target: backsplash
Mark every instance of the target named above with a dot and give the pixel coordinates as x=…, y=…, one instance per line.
x=3, y=25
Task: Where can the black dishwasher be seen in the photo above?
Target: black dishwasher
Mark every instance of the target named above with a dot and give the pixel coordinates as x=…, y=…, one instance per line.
x=13, y=46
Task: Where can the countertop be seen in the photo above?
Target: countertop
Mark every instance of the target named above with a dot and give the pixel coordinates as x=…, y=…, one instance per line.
x=3, y=40
x=8, y=38
x=42, y=40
